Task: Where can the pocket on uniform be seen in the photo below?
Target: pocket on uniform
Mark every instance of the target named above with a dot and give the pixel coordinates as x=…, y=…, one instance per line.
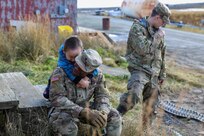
x=53, y=115
x=158, y=53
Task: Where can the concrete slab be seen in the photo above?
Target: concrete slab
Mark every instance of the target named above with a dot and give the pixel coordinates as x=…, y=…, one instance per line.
x=23, y=89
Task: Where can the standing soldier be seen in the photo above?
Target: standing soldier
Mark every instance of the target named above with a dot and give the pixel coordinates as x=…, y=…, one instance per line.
x=71, y=104
x=146, y=58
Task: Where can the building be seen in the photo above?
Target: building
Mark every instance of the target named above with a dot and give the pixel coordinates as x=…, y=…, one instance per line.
x=59, y=12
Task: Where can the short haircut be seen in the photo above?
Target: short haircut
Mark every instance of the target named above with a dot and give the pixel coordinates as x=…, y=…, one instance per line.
x=154, y=13
x=72, y=42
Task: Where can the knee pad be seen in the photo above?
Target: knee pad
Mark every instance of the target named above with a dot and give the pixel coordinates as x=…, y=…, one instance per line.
x=65, y=125
x=114, y=115
x=128, y=101
x=114, y=125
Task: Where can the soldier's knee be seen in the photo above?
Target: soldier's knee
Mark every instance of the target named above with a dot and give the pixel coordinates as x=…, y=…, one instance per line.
x=114, y=125
x=64, y=124
x=129, y=100
x=114, y=115
x=68, y=129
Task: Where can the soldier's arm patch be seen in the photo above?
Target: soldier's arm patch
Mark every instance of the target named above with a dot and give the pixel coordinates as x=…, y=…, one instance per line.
x=54, y=79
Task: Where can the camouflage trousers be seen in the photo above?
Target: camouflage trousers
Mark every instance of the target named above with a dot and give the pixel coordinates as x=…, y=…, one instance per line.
x=141, y=87
x=64, y=124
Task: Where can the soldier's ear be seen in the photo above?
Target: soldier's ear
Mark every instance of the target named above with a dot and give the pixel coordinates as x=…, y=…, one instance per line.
x=157, y=17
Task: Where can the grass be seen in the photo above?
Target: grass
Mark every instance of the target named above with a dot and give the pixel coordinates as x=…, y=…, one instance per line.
x=2, y=120
x=5, y=47
x=27, y=122
x=38, y=73
x=35, y=56
x=183, y=74
x=188, y=17
x=32, y=42
x=178, y=78
x=110, y=54
x=186, y=29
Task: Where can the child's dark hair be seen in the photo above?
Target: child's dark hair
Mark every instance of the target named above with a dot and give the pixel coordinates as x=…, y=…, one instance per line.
x=72, y=42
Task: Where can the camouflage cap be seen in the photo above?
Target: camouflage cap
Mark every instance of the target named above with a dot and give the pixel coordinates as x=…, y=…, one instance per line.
x=88, y=60
x=163, y=11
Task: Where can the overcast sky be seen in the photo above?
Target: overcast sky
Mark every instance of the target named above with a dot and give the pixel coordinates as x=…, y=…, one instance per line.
x=117, y=3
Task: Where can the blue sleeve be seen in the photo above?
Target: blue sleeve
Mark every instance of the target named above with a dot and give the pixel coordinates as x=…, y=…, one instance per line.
x=95, y=72
x=61, y=56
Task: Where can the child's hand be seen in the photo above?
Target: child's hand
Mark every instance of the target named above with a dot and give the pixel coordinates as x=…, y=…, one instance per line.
x=84, y=83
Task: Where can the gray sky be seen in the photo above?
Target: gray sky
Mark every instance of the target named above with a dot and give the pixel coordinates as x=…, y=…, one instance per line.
x=117, y=3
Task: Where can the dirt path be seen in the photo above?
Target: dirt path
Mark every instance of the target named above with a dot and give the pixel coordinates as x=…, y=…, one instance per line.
x=114, y=71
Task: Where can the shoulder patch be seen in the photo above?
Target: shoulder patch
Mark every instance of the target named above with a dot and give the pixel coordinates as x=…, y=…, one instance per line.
x=136, y=20
x=58, y=70
x=143, y=22
x=57, y=74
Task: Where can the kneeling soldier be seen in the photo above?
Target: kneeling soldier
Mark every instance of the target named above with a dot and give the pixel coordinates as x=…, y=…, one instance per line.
x=71, y=104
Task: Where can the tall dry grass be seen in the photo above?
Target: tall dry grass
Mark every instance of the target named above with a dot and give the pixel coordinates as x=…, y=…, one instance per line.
x=97, y=41
x=31, y=122
x=110, y=53
x=188, y=17
x=6, y=48
x=34, y=41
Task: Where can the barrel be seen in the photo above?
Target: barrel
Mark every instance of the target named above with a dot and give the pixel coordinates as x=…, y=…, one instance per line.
x=106, y=23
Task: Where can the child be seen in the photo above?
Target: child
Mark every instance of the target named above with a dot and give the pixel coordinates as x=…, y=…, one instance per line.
x=71, y=48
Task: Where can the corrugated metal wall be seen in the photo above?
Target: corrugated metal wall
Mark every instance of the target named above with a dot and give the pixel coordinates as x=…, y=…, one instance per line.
x=21, y=9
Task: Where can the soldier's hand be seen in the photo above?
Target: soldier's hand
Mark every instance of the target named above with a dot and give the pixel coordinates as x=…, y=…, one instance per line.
x=160, y=33
x=105, y=118
x=93, y=117
x=158, y=36
x=161, y=82
x=84, y=83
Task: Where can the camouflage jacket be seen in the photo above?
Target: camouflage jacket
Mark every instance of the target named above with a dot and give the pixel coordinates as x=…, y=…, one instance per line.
x=65, y=96
x=141, y=53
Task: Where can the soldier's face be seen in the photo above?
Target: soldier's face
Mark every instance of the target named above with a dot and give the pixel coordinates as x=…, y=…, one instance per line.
x=72, y=53
x=77, y=71
x=159, y=21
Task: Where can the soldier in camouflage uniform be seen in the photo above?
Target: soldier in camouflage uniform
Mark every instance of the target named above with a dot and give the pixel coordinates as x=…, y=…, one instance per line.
x=71, y=104
x=146, y=59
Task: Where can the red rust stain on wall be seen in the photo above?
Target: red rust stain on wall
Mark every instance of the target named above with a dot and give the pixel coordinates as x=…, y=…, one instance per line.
x=26, y=9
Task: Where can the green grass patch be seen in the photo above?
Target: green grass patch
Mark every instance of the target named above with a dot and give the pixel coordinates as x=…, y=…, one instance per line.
x=187, y=29
x=178, y=79
x=117, y=83
x=182, y=74
x=38, y=73
x=188, y=17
